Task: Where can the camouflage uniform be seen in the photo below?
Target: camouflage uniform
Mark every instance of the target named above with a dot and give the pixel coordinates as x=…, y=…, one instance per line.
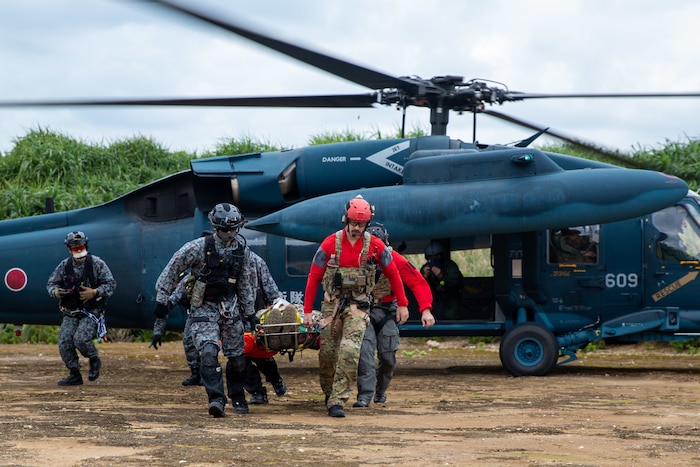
x=77, y=329
x=344, y=310
x=179, y=296
x=214, y=322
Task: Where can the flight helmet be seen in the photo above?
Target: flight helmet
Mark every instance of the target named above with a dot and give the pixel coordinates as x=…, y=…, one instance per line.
x=226, y=216
x=432, y=249
x=358, y=210
x=76, y=238
x=378, y=230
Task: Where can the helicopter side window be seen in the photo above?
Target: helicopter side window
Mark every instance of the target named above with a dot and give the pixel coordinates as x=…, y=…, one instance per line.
x=256, y=241
x=298, y=256
x=574, y=244
x=679, y=236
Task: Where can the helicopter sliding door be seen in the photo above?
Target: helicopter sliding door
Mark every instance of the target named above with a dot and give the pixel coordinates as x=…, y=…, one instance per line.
x=672, y=238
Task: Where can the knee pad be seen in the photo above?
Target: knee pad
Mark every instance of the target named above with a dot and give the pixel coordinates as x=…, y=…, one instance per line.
x=210, y=355
x=236, y=364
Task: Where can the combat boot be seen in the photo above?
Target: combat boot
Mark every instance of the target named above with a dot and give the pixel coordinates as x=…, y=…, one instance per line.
x=336, y=411
x=280, y=387
x=74, y=379
x=259, y=397
x=240, y=406
x=95, y=365
x=217, y=409
x=194, y=379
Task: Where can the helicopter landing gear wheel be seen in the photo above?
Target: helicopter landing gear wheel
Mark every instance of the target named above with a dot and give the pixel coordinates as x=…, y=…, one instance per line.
x=529, y=349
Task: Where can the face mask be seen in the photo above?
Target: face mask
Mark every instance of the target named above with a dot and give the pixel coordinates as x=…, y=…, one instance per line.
x=226, y=236
x=80, y=254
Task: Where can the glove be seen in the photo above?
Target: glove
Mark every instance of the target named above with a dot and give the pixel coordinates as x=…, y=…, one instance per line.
x=156, y=341
x=279, y=303
x=161, y=311
x=87, y=294
x=250, y=322
x=60, y=293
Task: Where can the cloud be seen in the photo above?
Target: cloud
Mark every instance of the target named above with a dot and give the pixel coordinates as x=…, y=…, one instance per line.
x=119, y=48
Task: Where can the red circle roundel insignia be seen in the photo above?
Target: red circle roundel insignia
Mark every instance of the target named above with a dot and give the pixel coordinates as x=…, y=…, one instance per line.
x=15, y=279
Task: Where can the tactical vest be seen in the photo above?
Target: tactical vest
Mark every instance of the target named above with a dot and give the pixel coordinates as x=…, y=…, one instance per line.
x=220, y=274
x=73, y=281
x=344, y=282
x=382, y=287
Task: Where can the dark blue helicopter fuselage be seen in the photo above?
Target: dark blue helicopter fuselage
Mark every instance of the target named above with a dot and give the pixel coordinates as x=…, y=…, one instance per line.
x=468, y=196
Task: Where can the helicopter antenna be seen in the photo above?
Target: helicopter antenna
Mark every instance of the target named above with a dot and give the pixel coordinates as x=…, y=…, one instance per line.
x=403, y=117
x=403, y=122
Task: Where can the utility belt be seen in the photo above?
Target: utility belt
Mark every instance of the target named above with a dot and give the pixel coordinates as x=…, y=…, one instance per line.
x=379, y=300
x=348, y=300
x=358, y=305
x=228, y=313
x=80, y=313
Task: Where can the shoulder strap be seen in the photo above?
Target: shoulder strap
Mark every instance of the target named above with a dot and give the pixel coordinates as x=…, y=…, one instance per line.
x=210, y=250
x=89, y=274
x=366, y=240
x=338, y=244
x=90, y=271
x=69, y=271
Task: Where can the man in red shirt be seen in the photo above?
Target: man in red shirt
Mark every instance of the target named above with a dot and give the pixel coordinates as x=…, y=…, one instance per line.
x=382, y=334
x=345, y=263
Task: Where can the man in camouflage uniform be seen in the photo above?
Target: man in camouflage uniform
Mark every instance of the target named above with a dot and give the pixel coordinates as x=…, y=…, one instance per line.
x=345, y=263
x=266, y=294
x=83, y=283
x=222, y=297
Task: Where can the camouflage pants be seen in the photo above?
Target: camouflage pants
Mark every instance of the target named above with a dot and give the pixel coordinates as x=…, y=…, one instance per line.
x=208, y=327
x=381, y=335
x=191, y=353
x=76, y=333
x=340, y=352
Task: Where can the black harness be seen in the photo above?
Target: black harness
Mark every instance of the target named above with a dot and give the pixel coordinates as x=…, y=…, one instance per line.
x=73, y=281
x=220, y=274
x=388, y=315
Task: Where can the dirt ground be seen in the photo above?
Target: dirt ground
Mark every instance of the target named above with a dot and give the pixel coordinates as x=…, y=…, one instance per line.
x=449, y=404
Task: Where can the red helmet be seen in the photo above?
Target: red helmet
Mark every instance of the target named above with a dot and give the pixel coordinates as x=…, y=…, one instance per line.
x=358, y=210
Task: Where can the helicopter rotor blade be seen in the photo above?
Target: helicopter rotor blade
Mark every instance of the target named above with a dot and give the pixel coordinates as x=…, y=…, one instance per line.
x=332, y=101
x=357, y=74
x=586, y=145
x=517, y=96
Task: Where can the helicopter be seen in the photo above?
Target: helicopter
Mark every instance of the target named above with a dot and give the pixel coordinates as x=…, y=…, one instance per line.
x=466, y=195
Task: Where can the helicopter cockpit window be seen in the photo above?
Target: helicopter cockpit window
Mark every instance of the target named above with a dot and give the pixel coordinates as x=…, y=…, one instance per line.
x=574, y=244
x=679, y=235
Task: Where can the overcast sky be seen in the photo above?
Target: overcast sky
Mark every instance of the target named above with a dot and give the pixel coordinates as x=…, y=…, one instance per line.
x=63, y=49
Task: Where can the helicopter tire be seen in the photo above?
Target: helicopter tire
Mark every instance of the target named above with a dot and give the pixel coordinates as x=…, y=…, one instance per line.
x=529, y=349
